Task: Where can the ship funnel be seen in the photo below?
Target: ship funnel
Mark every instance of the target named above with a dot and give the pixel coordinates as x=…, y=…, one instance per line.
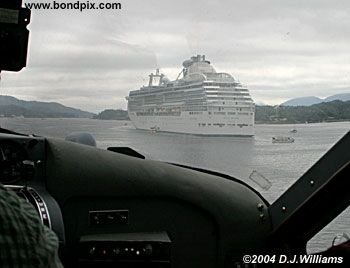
x=155, y=79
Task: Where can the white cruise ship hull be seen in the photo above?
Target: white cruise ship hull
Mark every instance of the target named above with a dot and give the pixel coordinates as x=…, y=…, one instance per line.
x=196, y=124
x=202, y=102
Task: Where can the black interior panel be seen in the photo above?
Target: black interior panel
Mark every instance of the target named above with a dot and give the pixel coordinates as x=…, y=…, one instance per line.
x=192, y=232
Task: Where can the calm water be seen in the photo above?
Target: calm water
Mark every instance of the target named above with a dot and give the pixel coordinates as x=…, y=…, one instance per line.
x=280, y=164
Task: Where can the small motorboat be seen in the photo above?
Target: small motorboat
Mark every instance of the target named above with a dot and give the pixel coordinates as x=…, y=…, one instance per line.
x=280, y=139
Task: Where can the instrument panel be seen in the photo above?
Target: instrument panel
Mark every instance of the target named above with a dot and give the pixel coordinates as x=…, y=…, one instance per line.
x=14, y=163
x=108, y=208
x=22, y=159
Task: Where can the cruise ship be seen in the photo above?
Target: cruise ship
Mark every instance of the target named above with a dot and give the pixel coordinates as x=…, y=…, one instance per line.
x=200, y=101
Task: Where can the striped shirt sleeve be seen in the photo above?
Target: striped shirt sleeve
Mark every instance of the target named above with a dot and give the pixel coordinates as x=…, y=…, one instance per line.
x=24, y=240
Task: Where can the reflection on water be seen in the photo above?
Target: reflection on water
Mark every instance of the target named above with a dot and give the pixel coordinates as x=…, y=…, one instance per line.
x=281, y=164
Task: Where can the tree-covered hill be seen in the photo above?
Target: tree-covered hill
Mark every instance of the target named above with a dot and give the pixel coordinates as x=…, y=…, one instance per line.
x=11, y=107
x=110, y=114
x=322, y=112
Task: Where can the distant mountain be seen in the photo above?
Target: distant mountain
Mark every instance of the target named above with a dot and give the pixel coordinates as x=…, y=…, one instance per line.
x=311, y=100
x=10, y=106
x=110, y=114
x=302, y=101
x=322, y=112
x=342, y=97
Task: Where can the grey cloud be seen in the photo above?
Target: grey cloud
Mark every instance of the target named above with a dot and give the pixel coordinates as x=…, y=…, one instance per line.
x=280, y=49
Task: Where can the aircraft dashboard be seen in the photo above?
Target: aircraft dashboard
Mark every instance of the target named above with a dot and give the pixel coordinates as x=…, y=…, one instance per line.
x=110, y=209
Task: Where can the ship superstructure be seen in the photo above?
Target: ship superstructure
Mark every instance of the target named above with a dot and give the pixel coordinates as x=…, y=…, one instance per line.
x=200, y=101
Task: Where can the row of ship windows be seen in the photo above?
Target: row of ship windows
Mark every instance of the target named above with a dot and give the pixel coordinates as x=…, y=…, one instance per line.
x=198, y=98
x=223, y=125
x=168, y=88
x=166, y=113
x=152, y=91
x=216, y=93
x=227, y=104
x=176, y=113
x=228, y=100
x=172, y=98
x=194, y=98
x=222, y=84
x=195, y=103
x=227, y=90
x=222, y=113
x=226, y=93
x=181, y=94
x=192, y=108
x=202, y=101
x=187, y=94
x=186, y=87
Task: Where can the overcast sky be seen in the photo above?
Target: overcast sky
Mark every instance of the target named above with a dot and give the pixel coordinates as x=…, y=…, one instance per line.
x=278, y=49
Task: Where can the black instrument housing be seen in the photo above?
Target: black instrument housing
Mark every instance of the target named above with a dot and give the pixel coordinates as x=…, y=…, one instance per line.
x=14, y=35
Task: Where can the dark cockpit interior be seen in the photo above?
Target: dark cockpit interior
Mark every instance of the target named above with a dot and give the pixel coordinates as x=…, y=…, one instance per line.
x=109, y=209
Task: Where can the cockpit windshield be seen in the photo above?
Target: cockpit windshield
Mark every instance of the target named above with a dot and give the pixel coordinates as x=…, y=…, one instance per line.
x=258, y=90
